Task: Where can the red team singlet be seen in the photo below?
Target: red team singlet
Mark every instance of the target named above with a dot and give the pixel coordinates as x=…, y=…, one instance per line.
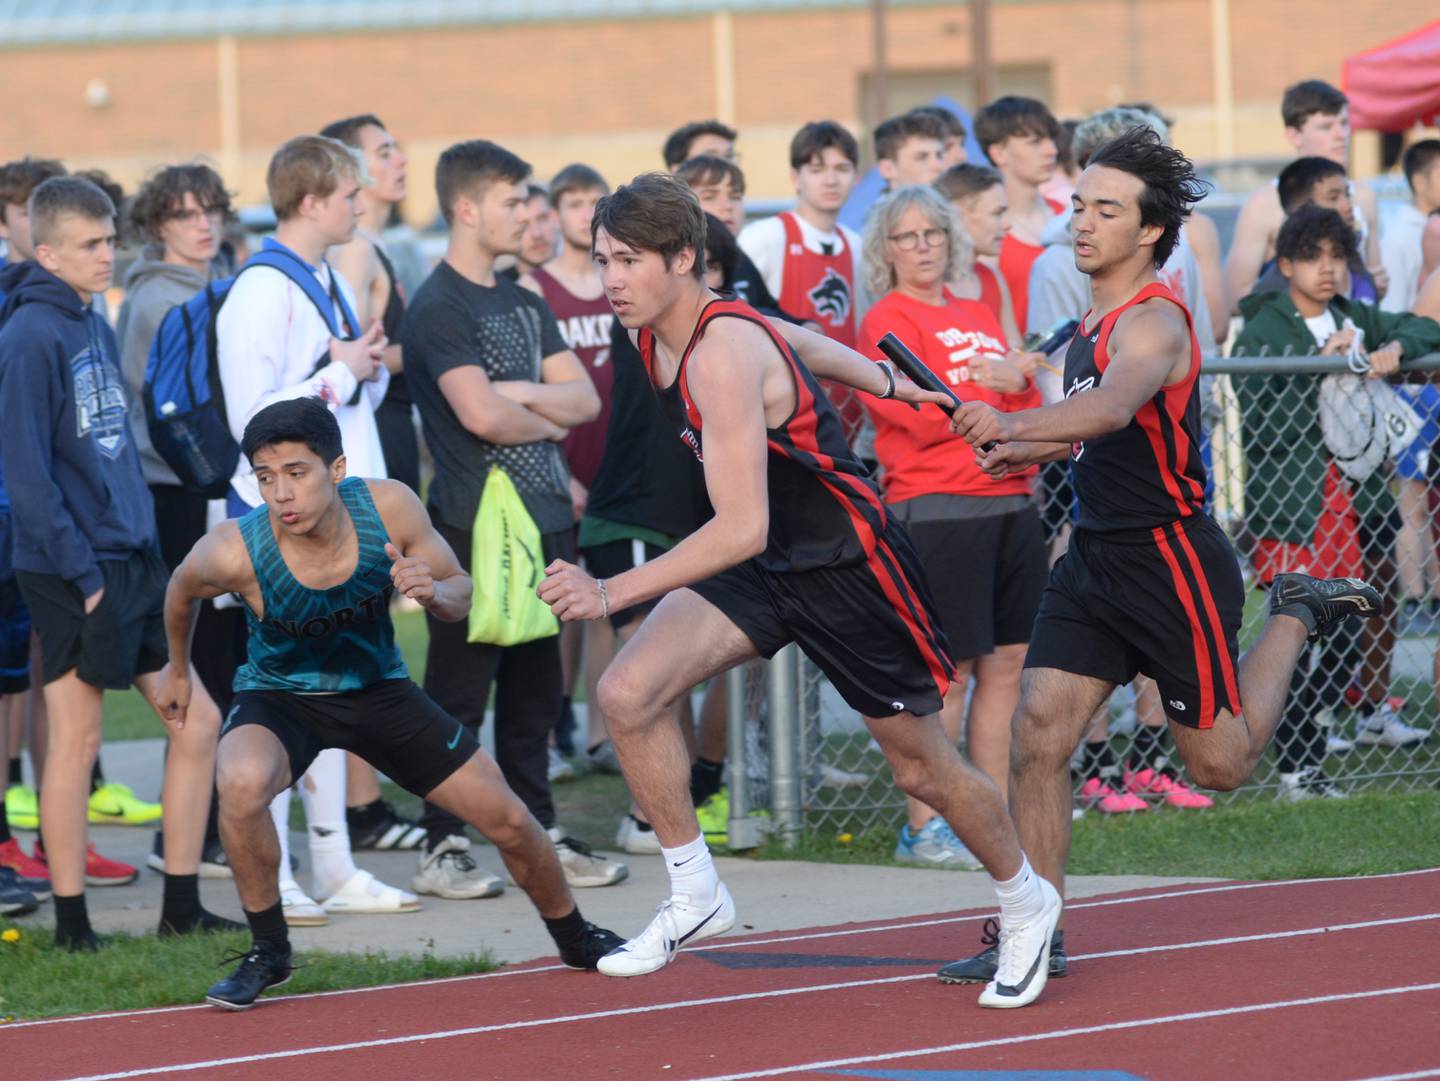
x=1016, y=259
x=838, y=574
x=819, y=286
x=585, y=326
x=990, y=292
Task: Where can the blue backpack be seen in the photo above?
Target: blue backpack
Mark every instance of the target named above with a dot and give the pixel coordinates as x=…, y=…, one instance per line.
x=184, y=401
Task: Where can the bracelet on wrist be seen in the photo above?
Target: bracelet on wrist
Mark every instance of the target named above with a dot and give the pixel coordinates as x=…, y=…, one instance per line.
x=604, y=599
x=889, y=371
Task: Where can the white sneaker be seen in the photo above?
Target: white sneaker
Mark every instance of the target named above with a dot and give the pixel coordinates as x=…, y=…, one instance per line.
x=584, y=869
x=559, y=768
x=835, y=777
x=631, y=838
x=1338, y=745
x=676, y=922
x=1024, y=962
x=1384, y=728
x=300, y=908
x=1308, y=782
x=450, y=872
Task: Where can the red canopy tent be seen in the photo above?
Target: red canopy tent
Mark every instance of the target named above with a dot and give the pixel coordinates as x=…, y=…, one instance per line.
x=1394, y=86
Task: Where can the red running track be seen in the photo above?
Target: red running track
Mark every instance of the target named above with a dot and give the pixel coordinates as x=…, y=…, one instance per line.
x=1331, y=980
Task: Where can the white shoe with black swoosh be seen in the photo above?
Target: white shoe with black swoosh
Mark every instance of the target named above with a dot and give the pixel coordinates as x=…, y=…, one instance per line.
x=1024, y=962
x=676, y=923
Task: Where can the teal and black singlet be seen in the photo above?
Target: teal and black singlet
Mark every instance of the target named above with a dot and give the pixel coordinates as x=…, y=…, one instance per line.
x=321, y=641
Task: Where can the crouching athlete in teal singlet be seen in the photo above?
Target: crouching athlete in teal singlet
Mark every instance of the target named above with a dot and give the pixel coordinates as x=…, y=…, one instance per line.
x=317, y=566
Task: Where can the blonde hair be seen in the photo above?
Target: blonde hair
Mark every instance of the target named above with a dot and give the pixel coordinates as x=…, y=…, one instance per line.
x=309, y=165
x=879, y=271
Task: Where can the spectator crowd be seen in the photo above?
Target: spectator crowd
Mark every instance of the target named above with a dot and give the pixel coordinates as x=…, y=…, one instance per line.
x=508, y=357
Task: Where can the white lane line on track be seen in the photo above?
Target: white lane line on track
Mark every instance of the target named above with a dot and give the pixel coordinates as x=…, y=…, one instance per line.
x=600, y=1015
x=1064, y=1033
x=1407, y=1076
x=731, y=944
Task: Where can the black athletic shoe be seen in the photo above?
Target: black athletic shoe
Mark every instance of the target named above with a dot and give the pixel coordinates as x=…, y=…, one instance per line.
x=981, y=967
x=387, y=831
x=1322, y=603
x=213, y=861
x=597, y=943
x=259, y=970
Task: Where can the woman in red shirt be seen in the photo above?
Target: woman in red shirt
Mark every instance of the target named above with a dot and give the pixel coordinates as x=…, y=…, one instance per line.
x=979, y=539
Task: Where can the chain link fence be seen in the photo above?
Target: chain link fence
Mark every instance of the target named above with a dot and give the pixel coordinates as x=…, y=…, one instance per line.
x=1313, y=468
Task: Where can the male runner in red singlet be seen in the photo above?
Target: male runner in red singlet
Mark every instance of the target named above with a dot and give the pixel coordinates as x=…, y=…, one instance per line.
x=1150, y=584
x=801, y=548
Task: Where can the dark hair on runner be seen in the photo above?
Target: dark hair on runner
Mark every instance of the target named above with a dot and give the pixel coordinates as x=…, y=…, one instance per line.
x=19, y=178
x=894, y=133
x=535, y=190
x=108, y=184
x=1418, y=158
x=577, y=177
x=295, y=420
x=1303, y=232
x=721, y=247
x=676, y=150
x=468, y=168
x=348, y=130
x=1311, y=98
x=1298, y=179
x=62, y=196
x=966, y=180
x=162, y=198
x=654, y=212
x=1170, y=189
x=953, y=125
x=1010, y=116
x=818, y=136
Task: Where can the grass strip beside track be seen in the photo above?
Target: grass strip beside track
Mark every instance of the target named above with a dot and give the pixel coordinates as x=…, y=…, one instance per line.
x=136, y=971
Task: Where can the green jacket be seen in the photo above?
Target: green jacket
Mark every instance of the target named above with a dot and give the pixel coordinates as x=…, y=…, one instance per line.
x=1285, y=456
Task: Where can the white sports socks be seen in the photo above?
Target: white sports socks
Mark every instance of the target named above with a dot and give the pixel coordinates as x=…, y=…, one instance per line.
x=1020, y=897
x=692, y=872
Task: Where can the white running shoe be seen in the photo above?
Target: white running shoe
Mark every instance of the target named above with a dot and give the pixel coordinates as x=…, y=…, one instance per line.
x=450, y=872
x=582, y=867
x=1384, y=728
x=676, y=922
x=1024, y=962
x=1308, y=782
x=631, y=838
x=558, y=767
x=300, y=908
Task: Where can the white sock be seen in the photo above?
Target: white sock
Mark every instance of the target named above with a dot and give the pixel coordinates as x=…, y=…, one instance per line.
x=1021, y=899
x=692, y=872
x=280, y=812
x=331, y=865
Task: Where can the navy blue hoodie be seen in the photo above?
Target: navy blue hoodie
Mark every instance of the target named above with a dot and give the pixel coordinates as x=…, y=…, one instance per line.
x=76, y=491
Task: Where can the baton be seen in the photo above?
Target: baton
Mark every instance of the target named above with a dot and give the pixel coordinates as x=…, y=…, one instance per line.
x=899, y=354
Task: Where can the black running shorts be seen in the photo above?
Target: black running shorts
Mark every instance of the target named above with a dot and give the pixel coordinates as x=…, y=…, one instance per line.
x=393, y=725
x=870, y=627
x=1166, y=603
x=986, y=575
x=122, y=638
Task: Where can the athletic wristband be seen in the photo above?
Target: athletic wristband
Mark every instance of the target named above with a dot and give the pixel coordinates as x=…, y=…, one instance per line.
x=604, y=600
x=889, y=378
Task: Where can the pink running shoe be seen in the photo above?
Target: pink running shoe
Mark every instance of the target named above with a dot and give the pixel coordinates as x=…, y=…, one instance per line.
x=1176, y=793
x=1099, y=795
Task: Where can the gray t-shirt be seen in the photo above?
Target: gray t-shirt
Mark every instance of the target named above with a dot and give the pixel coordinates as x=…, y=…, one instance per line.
x=507, y=331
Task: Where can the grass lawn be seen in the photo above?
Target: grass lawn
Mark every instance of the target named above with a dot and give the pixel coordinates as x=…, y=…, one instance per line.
x=133, y=972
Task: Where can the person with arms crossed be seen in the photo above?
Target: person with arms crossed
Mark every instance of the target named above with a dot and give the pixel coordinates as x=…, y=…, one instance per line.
x=801, y=548
x=85, y=551
x=1150, y=583
x=316, y=567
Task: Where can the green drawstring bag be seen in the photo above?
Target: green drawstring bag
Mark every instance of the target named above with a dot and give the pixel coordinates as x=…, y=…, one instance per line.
x=507, y=565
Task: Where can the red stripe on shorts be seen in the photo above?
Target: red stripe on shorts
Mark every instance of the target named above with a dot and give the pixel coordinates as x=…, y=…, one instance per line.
x=1197, y=632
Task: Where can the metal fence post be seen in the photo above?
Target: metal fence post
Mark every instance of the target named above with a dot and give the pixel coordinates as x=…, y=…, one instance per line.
x=785, y=764
x=744, y=830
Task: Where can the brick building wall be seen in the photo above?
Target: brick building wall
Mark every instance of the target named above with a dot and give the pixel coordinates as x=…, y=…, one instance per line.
x=607, y=91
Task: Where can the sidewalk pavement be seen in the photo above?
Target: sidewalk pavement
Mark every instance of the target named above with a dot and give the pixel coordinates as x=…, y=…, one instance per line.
x=771, y=895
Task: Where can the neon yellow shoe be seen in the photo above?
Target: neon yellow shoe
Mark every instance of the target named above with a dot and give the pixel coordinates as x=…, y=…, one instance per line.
x=714, y=817
x=116, y=804
x=22, y=807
